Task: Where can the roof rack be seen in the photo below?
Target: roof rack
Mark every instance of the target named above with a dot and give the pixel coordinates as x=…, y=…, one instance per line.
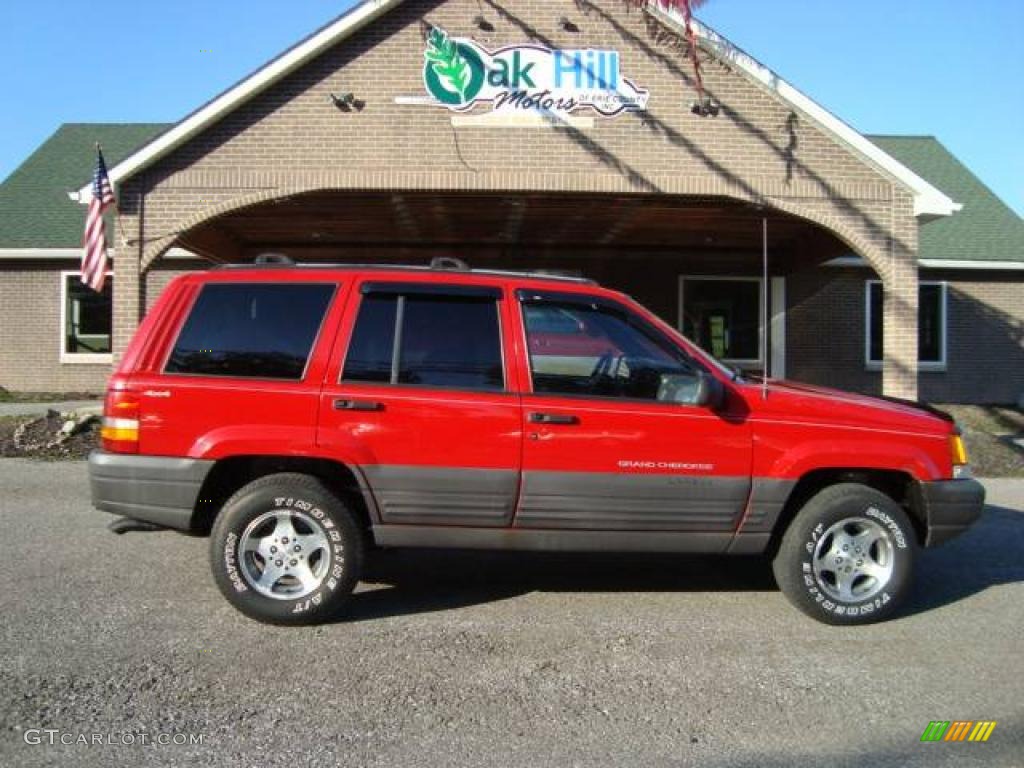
x=439, y=264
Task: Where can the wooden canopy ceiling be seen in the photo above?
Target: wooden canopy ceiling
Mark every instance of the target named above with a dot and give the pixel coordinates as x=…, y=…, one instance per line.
x=326, y=224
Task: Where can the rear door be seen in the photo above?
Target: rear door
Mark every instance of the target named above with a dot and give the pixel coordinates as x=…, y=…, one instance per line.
x=420, y=399
x=608, y=446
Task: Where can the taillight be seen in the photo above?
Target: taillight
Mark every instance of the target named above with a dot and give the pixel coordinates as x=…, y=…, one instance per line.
x=120, y=430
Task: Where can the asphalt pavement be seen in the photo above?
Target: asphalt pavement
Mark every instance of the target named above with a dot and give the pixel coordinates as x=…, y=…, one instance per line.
x=463, y=659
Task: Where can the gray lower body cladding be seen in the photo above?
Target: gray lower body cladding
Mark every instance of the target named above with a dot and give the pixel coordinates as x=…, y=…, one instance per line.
x=951, y=507
x=538, y=540
x=768, y=496
x=569, y=511
x=557, y=500
x=627, y=502
x=440, y=496
x=156, y=489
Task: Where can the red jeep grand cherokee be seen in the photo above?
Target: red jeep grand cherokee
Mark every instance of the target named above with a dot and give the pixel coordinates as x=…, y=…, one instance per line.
x=306, y=413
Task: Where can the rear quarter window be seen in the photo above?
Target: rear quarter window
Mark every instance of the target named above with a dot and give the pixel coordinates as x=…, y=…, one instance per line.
x=251, y=330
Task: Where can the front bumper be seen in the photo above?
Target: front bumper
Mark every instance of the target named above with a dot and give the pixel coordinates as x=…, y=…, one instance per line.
x=157, y=489
x=951, y=507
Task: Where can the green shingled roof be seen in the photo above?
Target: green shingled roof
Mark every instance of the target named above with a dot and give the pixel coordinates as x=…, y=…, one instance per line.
x=987, y=229
x=35, y=211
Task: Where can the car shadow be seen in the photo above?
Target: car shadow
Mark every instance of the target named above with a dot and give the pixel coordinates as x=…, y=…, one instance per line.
x=401, y=582
x=408, y=582
x=989, y=554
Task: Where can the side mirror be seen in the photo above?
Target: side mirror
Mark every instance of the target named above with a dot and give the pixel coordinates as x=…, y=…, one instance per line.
x=700, y=389
x=712, y=392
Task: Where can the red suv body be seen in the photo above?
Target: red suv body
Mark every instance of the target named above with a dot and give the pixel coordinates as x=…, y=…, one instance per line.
x=457, y=408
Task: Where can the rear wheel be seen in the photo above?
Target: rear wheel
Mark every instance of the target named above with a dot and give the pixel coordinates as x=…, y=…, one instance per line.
x=285, y=550
x=848, y=556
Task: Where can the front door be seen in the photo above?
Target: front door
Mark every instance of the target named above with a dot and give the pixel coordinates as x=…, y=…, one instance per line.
x=608, y=444
x=419, y=400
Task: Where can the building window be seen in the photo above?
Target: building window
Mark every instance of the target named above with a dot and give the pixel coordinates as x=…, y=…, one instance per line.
x=86, y=320
x=931, y=325
x=722, y=315
x=444, y=341
x=259, y=331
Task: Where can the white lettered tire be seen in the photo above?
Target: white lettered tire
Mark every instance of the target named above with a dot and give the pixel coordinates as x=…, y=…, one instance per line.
x=848, y=556
x=285, y=550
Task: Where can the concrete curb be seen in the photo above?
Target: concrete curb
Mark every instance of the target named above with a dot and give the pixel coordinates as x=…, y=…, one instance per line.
x=38, y=409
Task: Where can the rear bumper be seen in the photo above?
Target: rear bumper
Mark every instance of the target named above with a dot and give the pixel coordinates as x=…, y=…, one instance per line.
x=951, y=507
x=156, y=489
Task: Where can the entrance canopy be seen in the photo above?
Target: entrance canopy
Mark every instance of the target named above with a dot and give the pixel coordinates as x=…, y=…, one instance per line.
x=515, y=229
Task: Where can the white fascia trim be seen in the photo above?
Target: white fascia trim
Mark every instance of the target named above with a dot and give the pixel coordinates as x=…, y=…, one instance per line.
x=963, y=264
x=40, y=253
x=28, y=254
x=929, y=201
x=361, y=15
x=857, y=261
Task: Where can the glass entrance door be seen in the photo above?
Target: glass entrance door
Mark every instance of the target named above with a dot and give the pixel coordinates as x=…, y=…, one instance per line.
x=723, y=316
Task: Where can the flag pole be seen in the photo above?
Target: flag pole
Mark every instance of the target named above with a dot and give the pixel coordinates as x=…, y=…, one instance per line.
x=117, y=207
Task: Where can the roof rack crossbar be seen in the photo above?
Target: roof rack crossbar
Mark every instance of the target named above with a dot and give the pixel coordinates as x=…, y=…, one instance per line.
x=540, y=274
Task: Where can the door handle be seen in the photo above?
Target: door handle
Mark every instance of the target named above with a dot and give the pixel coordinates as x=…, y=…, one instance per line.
x=357, y=405
x=553, y=418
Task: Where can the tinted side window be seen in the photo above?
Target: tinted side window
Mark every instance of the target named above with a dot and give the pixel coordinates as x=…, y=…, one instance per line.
x=371, y=349
x=593, y=350
x=451, y=342
x=445, y=341
x=252, y=330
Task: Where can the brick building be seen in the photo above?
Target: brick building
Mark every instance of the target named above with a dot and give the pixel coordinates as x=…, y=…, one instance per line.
x=541, y=135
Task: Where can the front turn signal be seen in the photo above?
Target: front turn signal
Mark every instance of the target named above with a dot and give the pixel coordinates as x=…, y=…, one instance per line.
x=957, y=450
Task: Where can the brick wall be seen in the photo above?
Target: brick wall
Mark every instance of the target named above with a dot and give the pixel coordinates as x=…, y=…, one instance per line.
x=31, y=336
x=985, y=346
x=985, y=335
x=825, y=329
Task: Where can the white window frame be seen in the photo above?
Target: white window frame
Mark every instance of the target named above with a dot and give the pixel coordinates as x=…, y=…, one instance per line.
x=680, y=325
x=78, y=358
x=877, y=365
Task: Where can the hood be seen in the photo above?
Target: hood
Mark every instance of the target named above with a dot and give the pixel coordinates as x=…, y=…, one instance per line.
x=805, y=402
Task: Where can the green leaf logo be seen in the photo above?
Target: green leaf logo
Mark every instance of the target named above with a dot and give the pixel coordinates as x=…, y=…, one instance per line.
x=451, y=67
x=453, y=70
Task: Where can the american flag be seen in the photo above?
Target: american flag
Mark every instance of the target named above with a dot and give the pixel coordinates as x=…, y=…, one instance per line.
x=94, y=259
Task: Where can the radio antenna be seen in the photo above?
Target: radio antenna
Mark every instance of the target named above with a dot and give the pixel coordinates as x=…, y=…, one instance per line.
x=764, y=305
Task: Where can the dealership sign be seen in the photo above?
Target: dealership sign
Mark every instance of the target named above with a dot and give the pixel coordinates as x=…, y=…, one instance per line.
x=460, y=74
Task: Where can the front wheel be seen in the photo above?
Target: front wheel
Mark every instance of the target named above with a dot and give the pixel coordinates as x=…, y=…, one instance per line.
x=285, y=550
x=848, y=556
